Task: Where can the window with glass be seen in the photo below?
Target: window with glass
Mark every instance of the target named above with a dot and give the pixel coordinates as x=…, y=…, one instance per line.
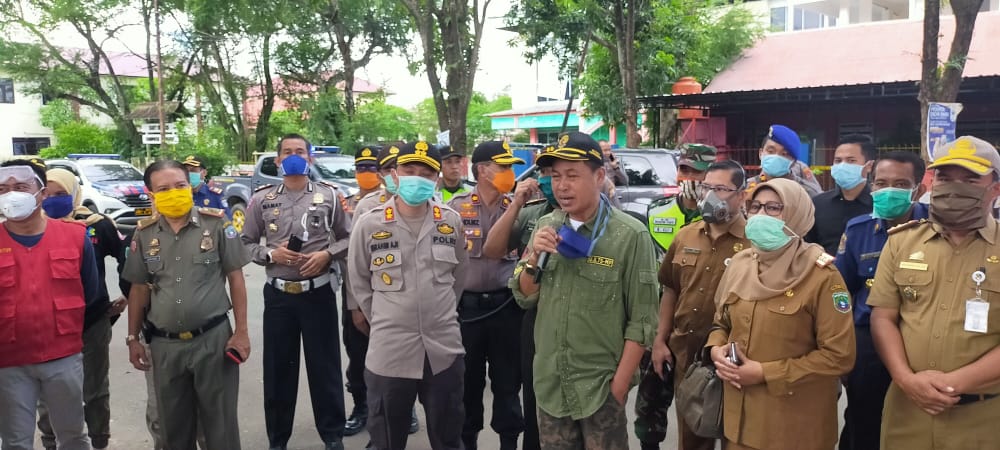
x=6, y=90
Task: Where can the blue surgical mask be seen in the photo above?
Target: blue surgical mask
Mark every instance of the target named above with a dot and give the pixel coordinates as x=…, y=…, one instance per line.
x=194, y=178
x=545, y=184
x=294, y=165
x=775, y=165
x=415, y=190
x=766, y=233
x=847, y=175
x=573, y=245
x=58, y=206
x=390, y=185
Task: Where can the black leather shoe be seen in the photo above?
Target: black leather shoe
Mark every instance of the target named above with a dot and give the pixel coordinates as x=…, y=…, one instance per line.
x=356, y=423
x=335, y=445
x=414, y=421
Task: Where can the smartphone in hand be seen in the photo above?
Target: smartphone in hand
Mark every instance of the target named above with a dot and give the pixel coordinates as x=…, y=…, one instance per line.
x=234, y=355
x=295, y=243
x=733, y=356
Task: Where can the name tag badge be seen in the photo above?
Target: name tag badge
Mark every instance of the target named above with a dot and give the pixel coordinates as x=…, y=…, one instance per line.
x=977, y=313
x=913, y=265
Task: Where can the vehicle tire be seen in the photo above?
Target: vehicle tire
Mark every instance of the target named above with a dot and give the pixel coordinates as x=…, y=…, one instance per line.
x=239, y=214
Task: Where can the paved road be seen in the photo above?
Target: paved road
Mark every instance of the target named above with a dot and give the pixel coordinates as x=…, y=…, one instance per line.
x=128, y=394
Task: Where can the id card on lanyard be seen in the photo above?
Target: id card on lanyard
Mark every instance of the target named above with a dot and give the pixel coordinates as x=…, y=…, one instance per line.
x=977, y=309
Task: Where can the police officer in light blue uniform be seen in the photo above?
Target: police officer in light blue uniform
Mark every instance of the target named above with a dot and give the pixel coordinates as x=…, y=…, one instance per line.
x=204, y=195
x=895, y=185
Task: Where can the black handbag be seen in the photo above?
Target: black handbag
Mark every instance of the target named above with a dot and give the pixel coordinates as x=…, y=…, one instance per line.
x=699, y=396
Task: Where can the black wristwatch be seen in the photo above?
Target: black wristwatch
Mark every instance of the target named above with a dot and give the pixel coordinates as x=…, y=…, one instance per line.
x=530, y=269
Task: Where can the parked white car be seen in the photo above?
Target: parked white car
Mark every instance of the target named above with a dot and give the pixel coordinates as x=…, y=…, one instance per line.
x=110, y=187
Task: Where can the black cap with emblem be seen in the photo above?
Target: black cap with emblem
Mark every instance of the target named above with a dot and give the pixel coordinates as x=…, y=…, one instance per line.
x=420, y=152
x=448, y=151
x=572, y=146
x=387, y=157
x=367, y=154
x=495, y=151
x=195, y=161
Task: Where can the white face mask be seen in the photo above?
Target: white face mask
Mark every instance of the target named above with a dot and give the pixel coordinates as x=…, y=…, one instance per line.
x=17, y=206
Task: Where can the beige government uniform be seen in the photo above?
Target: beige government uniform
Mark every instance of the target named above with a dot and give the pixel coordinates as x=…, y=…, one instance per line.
x=928, y=280
x=351, y=207
x=692, y=268
x=370, y=202
x=187, y=273
x=804, y=340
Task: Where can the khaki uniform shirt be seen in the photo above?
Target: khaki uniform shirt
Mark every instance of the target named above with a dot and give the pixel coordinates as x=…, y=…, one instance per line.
x=350, y=205
x=587, y=309
x=928, y=280
x=692, y=268
x=186, y=271
x=370, y=202
x=804, y=340
x=408, y=288
x=314, y=214
x=484, y=274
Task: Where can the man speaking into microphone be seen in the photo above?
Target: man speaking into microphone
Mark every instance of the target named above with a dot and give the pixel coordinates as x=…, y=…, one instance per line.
x=596, y=300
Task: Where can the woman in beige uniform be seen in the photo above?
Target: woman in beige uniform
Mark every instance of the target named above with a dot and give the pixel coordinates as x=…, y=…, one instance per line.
x=784, y=305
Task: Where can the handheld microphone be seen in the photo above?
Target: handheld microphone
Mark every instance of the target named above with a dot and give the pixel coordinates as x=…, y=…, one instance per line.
x=543, y=259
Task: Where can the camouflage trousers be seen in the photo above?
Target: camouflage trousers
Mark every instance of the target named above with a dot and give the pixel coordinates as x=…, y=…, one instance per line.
x=606, y=429
x=652, y=401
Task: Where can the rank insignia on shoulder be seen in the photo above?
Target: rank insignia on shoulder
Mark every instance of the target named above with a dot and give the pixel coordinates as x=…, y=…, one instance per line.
x=475, y=199
x=445, y=228
x=262, y=187
x=437, y=213
x=145, y=223
x=214, y=212
x=537, y=201
x=215, y=190
x=824, y=260
x=842, y=302
x=390, y=215
x=905, y=226
x=380, y=235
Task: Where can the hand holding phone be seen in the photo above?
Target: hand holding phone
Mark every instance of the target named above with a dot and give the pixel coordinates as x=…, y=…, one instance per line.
x=733, y=356
x=234, y=355
x=295, y=243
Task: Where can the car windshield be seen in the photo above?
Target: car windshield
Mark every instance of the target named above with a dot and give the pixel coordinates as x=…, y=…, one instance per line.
x=335, y=168
x=111, y=172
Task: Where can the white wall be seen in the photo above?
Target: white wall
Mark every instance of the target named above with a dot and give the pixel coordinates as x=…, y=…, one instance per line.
x=20, y=120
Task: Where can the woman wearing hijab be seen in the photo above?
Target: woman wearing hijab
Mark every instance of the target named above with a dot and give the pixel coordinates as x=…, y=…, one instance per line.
x=784, y=306
x=64, y=202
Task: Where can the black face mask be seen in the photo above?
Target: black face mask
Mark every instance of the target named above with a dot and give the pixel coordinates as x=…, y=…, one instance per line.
x=714, y=210
x=958, y=206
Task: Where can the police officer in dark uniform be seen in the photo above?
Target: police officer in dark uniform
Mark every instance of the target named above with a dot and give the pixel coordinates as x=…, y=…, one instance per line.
x=205, y=196
x=306, y=229
x=491, y=320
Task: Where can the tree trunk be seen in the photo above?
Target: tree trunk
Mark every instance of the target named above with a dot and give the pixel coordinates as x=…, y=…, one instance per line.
x=264, y=121
x=942, y=85
x=625, y=43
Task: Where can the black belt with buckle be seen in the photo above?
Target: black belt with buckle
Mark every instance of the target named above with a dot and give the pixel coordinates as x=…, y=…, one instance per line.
x=185, y=335
x=965, y=399
x=485, y=301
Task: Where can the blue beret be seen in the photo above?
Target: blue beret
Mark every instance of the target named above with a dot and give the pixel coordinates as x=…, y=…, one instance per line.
x=788, y=138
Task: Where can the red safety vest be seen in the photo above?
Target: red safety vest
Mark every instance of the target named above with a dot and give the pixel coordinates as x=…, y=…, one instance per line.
x=41, y=296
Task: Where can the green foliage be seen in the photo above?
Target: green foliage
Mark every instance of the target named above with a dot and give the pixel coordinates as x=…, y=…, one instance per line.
x=326, y=122
x=56, y=113
x=213, y=144
x=282, y=123
x=375, y=121
x=478, y=125
x=673, y=39
x=78, y=136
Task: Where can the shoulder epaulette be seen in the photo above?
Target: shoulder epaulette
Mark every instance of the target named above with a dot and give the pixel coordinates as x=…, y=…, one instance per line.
x=537, y=201
x=824, y=260
x=263, y=187
x=146, y=223
x=214, y=212
x=215, y=190
x=329, y=185
x=905, y=226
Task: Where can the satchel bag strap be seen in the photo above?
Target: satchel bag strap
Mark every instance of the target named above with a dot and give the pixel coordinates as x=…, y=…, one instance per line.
x=702, y=355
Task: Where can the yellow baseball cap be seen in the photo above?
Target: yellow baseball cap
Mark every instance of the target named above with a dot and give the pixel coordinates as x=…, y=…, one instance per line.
x=968, y=152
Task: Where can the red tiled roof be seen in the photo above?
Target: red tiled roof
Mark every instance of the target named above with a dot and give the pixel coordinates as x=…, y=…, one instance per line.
x=878, y=52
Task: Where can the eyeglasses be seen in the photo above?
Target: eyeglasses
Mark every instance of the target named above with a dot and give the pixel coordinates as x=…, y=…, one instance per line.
x=718, y=189
x=366, y=168
x=770, y=208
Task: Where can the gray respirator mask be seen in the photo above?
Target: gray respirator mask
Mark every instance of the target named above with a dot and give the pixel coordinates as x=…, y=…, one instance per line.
x=714, y=210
